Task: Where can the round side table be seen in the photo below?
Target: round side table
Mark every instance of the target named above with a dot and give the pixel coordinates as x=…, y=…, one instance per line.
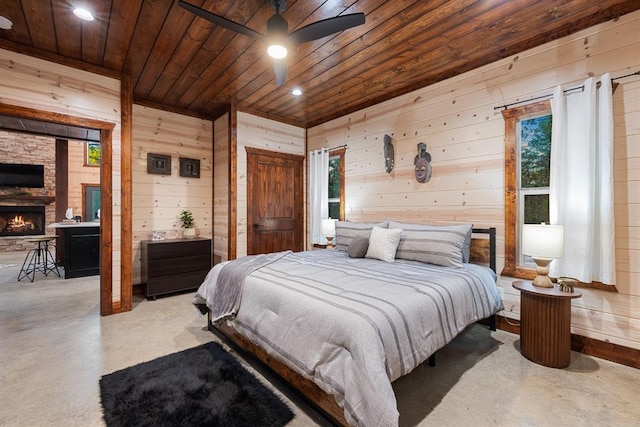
x=545, y=324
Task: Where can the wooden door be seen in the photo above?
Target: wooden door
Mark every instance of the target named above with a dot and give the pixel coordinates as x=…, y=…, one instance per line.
x=274, y=202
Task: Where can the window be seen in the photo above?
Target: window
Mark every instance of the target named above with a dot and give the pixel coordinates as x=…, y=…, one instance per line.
x=533, y=154
x=336, y=184
x=527, y=161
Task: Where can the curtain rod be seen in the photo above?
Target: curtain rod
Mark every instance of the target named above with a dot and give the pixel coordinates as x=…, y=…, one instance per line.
x=505, y=106
x=336, y=147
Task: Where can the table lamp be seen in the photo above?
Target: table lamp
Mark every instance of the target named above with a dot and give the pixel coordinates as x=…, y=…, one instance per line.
x=543, y=243
x=328, y=230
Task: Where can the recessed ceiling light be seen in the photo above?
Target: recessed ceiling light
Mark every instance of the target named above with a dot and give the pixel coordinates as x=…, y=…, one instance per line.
x=296, y=92
x=83, y=14
x=5, y=23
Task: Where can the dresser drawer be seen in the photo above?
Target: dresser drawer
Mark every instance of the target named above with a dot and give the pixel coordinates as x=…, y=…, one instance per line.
x=163, y=267
x=175, y=282
x=178, y=248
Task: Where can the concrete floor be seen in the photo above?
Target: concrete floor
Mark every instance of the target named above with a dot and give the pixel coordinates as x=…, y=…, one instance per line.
x=54, y=347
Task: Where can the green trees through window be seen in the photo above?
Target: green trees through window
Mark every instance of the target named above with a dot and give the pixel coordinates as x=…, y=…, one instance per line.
x=334, y=187
x=535, y=137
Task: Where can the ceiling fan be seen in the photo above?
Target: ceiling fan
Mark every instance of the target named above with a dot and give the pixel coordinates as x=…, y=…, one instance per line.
x=278, y=36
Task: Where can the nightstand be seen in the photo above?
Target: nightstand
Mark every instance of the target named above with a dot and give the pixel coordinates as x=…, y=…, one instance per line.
x=545, y=324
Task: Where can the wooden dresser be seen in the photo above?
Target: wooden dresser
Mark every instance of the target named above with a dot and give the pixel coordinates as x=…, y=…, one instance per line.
x=174, y=265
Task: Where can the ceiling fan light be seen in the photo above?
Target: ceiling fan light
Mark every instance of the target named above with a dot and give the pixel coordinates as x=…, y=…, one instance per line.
x=277, y=51
x=5, y=23
x=83, y=14
x=296, y=92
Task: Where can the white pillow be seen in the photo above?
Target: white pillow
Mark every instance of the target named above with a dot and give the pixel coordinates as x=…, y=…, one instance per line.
x=383, y=243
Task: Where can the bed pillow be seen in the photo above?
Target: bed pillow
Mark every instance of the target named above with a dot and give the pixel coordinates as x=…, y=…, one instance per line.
x=347, y=231
x=358, y=247
x=433, y=244
x=466, y=249
x=383, y=243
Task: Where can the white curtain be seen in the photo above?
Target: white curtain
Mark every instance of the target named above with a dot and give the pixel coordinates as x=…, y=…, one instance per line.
x=581, y=181
x=319, y=192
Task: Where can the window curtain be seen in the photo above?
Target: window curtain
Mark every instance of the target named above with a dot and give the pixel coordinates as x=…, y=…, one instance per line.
x=581, y=181
x=319, y=192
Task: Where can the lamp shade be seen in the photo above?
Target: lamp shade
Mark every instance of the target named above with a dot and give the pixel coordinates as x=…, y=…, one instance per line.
x=543, y=241
x=328, y=227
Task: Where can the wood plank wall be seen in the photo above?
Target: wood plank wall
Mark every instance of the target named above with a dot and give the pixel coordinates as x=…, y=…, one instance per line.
x=33, y=83
x=221, y=187
x=259, y=132
x=159, y=199
x=465, y=137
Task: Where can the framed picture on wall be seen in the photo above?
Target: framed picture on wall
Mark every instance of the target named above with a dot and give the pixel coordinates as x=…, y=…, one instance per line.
x=158, y=164
x=189, y=167
x=92, y=154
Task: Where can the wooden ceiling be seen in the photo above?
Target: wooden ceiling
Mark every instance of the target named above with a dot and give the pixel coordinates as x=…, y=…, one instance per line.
x=183, y=63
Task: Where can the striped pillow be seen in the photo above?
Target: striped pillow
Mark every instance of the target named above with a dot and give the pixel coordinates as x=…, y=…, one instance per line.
x=433, y=244
x=347, y=231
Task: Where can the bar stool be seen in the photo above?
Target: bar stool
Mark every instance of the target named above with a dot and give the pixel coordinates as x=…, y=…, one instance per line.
x=39, y=259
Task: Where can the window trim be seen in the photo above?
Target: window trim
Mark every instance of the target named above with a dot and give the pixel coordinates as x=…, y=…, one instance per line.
x=340, y=152
x=511, y=117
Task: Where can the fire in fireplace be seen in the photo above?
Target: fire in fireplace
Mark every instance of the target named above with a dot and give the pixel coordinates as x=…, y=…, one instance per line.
x=21, y=220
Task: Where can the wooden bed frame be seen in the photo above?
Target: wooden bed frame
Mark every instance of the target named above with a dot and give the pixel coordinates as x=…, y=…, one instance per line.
x=296, y=387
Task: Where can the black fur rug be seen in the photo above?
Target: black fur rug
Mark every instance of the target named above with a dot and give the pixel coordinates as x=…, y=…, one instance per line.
x=202, y=386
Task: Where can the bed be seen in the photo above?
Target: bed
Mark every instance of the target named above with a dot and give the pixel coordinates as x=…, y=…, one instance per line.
x=341, y=329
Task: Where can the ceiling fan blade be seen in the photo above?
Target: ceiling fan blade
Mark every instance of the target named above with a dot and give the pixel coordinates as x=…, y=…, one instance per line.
x=326, y=27
x=220, y=20
x=280, y=68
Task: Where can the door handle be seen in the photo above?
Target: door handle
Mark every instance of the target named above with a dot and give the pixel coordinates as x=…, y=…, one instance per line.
x=256, y=225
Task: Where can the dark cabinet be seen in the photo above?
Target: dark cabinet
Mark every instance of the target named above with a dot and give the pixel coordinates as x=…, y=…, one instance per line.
x=79, y=250
x=174, y=265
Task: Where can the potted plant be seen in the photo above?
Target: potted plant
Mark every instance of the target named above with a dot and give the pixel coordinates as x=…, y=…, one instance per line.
x=188, y=224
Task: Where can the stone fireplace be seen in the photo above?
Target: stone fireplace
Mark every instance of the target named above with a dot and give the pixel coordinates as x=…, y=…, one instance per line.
x=25, y=211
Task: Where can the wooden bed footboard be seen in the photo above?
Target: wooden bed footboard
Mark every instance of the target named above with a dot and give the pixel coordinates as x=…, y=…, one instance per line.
x=294, y=383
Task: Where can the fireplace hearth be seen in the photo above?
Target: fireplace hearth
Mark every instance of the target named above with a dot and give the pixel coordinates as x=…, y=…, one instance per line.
x=22, y=220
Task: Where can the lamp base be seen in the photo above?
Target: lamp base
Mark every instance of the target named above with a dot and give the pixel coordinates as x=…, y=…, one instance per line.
x=329, y=241
x=542, y=273
x=543, y=282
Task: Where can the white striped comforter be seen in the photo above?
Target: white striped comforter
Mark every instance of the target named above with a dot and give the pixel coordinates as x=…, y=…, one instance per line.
x=355, y=325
